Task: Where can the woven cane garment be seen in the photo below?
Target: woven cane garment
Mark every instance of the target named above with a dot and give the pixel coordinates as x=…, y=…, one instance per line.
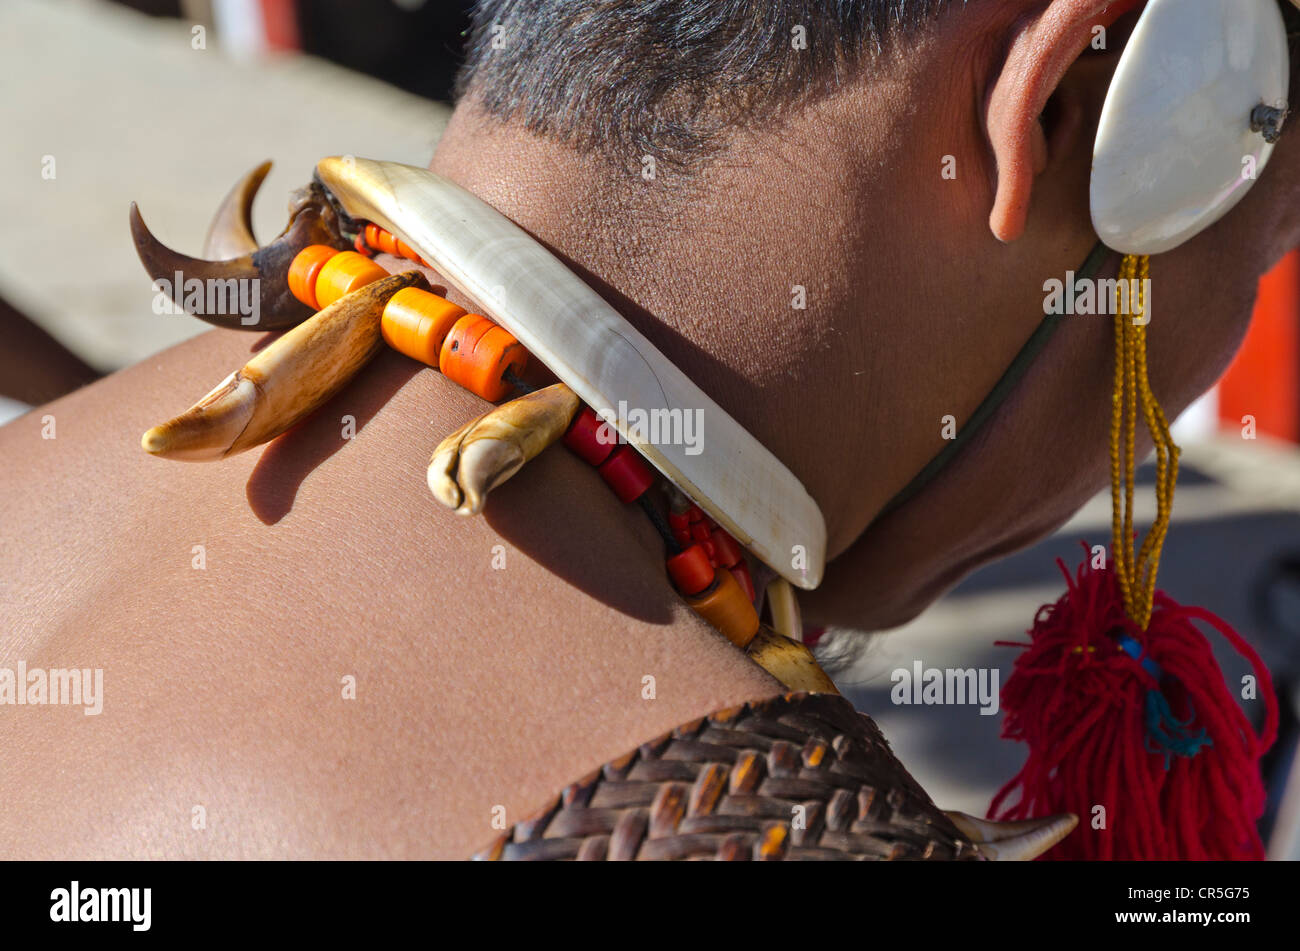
x=727, y=786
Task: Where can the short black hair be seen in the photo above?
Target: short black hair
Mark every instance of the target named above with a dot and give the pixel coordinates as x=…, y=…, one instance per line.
x=667, y=78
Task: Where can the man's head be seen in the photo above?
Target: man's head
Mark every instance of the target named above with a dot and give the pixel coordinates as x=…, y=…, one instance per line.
x=838, y=219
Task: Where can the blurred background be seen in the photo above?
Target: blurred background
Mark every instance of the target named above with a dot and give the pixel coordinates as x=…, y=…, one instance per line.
x=168, y=102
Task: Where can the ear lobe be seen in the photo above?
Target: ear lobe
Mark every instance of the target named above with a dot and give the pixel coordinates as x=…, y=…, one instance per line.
x=1041, y=50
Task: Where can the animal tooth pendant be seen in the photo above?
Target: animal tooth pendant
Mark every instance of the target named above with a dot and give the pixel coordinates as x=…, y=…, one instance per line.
x=487, y=451
x=1014, y=841
x=312, y=220
x=230, y=235
x=284, y=382
x=789, y=661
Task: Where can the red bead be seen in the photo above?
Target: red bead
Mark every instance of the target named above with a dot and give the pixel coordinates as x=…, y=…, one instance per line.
x=728, y=552
x=741, y=573
x=695, y=513
x=590, y=437
x=691, y=571
x=627, y=474
x=700, y=532
x=681, y=528
x=359, y=244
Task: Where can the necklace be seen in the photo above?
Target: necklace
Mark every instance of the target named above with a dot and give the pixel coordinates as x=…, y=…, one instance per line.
x=358, y=306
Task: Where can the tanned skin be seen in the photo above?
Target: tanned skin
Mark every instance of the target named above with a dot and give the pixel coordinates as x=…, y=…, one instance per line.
x=477, y=687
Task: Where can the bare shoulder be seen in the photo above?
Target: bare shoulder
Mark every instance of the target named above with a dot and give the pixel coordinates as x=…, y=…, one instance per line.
x=301, y=654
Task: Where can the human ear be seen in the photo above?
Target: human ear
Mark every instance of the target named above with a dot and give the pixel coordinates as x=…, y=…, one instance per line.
x=1040, y=50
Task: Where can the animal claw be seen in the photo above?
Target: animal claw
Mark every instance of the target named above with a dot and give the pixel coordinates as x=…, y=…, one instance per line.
x=487, y=451
x=789, y=661
x=285, y=381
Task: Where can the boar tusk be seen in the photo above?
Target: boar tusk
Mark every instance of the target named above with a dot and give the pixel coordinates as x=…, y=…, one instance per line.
x=576, y=334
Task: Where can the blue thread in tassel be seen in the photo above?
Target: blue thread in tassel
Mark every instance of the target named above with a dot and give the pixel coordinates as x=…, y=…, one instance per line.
x=1165, y=732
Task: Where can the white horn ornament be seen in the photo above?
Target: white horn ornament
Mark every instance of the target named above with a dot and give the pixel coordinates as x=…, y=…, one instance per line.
x=590, y=346
x=1014, y=841
x=1175, y=150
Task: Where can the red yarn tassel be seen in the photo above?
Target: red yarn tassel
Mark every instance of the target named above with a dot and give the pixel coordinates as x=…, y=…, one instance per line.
x=1156, y=740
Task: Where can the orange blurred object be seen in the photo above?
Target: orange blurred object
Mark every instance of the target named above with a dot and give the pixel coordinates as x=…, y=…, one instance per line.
x=1263, y=380
x=725, y=606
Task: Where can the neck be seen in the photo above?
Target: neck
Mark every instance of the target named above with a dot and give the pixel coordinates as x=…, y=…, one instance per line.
x=756, y=337
x=847, y=304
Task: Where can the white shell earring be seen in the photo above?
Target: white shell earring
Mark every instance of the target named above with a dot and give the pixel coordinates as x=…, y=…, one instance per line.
x=1182, y=135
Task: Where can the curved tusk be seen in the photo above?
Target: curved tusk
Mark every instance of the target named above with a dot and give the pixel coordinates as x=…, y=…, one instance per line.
x=789, y=661
x=285, y=381
x=249, y=292
x=231, y=233
x=1014, y=841
x=487, y=451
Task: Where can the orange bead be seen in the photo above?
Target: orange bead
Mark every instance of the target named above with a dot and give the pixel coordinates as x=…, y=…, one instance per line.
x=725, y=606
x=416, y=323
x=343, y=274
x=406, y=251
x=372, y=236
x=477, y=353
x=304, y=270
x=387, y=243
x=690, y=570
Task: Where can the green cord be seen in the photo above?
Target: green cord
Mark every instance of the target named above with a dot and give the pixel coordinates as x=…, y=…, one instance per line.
x=1033, y=346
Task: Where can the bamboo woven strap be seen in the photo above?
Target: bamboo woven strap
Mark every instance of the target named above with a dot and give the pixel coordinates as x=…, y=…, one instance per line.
x=803, y=776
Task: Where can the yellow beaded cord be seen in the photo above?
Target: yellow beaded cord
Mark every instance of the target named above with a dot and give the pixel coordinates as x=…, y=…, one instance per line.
x=1137, y=575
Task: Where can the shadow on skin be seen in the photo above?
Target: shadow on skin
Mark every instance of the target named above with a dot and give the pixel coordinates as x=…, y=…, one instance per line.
x=590, y=561
x=594, y=562
x=265, y=341
x=291, y=457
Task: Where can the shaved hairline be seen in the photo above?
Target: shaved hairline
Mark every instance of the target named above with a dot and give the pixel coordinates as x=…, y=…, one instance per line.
x=666, y=79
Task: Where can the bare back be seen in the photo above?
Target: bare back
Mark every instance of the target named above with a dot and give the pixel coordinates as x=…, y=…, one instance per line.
x=230, y=604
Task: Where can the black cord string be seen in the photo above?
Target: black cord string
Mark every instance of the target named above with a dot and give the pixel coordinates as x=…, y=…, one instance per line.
x=524, y=387
x=660, y=525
